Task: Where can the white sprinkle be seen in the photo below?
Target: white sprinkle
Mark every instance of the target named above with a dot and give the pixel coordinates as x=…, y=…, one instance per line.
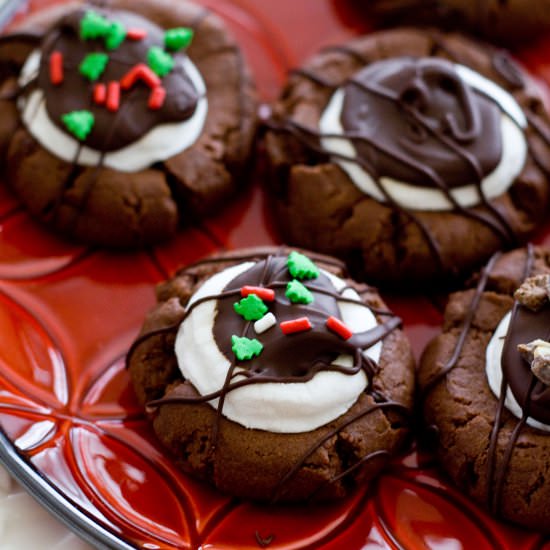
x=265, y=323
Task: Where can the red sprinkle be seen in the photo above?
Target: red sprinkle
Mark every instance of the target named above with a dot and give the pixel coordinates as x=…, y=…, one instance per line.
x=113, y=96
x=266, y=294
x=56, y=68
x=156, y=98
x=136, y=34
x=100, y=93
x=129, y=79
x=295, y=325
x=148, y=76
x=139, y=72
x=337, y=326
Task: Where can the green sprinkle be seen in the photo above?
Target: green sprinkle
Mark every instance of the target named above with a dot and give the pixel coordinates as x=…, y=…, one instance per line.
x=79, y=123
x=178, y=38
x=245, y=348
x=93, y=25
x=251, y=308
x=297, y=293
x=160, y=61
x=301, y=266
x=115, y=36
x=93, y=65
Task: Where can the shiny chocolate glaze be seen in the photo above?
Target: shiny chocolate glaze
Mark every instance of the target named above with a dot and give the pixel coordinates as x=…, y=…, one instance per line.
x=294, y=358
x=112, y=131
x=525, y=326
x=299, y=356
x=420, y=113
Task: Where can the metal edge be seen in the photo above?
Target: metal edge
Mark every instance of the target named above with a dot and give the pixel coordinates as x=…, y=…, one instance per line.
x=39, y=487
x=43, y=491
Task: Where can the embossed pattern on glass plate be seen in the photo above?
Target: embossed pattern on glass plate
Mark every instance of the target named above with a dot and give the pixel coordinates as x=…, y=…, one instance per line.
x=72, y=430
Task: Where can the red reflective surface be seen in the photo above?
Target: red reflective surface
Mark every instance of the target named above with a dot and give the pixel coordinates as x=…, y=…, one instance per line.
x=68, y=314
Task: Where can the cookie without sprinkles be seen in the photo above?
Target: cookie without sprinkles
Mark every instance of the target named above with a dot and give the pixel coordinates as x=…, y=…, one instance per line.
x=480, y=368
x=392, y=191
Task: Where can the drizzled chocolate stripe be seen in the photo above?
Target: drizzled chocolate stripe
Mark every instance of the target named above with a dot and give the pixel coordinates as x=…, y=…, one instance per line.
x=496, y=476
x=30, y=38
x=349, y=51
x=301, y=461
x=453, y=360
x=500, y=474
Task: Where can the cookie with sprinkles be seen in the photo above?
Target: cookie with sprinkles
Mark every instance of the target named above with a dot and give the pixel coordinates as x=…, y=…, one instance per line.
x=266, y=396
x=117, y=125
x=412, y=155
x=486, y=391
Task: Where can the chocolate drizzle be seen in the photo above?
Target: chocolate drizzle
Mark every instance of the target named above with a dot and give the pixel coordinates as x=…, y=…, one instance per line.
x=466, y=325
x=505, y=66
x=532, y=395
x=287, y=358
x=416, y=120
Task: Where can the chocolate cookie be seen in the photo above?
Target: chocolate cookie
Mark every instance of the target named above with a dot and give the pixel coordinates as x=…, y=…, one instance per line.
x=508, y=22
x=121, y=120
x=412, y=156
x=272, y=376
x=485, y=389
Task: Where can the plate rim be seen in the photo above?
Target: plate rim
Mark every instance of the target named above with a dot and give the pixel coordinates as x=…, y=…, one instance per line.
x=55, y=502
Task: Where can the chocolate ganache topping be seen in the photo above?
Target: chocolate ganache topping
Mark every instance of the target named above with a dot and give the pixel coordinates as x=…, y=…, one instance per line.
x=299, y=355
x=119, y=69
x=413, y=109
x=306, y=334
x=532, y=395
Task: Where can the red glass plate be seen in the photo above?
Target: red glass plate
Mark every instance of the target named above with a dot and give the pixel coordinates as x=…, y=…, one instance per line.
x=72, y=432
